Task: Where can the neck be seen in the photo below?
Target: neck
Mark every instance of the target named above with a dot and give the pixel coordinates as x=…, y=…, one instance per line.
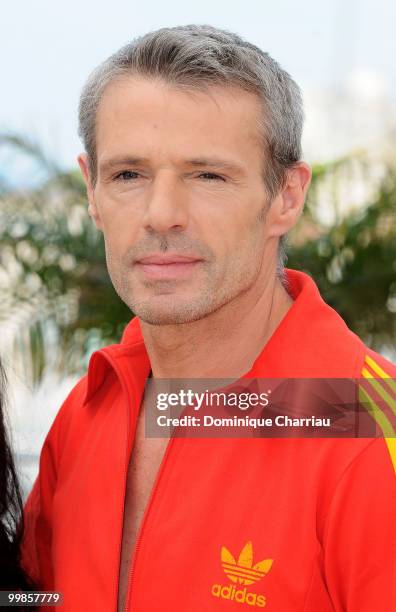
x=225, y=343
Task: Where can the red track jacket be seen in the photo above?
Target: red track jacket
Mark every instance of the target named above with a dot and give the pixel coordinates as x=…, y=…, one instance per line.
x=292, y=524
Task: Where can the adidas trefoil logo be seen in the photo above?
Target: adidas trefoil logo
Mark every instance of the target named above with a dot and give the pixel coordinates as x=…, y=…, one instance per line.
x=242, y=572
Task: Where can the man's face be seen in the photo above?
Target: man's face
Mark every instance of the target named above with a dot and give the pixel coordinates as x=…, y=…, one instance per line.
x=180, y=197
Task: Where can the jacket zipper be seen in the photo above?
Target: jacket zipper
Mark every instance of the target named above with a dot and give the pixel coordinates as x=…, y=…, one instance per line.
x=151, y=496
x=143, y=524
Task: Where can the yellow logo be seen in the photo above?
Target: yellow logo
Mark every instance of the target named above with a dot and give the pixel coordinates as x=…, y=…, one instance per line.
x=243, y=572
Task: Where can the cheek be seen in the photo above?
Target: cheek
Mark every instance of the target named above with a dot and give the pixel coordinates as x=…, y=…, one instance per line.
x=120, y=226
x=117, y=241
x=234, y=235
x=240, y=230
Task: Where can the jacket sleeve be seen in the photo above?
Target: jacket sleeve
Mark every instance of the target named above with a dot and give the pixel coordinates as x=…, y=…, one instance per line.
x=377, y=391
x=36, y=544
x=360, y=534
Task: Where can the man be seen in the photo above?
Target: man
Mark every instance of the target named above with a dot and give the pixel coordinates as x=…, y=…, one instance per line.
x=193, y=170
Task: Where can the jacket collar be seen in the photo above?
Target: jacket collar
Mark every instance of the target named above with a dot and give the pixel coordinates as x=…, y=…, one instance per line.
x=311, y=341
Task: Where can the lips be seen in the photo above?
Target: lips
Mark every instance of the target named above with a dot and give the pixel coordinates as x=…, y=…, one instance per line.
x=167, y=259
x=167, y=267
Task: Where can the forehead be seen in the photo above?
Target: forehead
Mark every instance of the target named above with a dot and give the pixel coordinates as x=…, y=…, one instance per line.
x=147, y=116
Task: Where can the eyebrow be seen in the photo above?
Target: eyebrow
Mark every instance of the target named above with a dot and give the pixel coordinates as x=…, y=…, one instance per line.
x=115, y=162
x=207, y=162
x=215, y=162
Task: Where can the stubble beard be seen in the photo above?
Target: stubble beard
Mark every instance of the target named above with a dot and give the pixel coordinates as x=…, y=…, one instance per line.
x=165, y=307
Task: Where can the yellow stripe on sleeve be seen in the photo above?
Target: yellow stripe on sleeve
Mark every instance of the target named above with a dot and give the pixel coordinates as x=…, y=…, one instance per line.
x=391, y=444
x=375, y=411
x=379, y=417
x=380, y=390
x=381, y=373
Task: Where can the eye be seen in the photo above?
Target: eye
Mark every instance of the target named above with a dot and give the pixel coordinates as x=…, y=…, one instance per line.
x=209, y=176
x=126, y=175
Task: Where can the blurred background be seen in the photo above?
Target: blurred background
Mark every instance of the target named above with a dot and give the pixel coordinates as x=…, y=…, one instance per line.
x=56, y=301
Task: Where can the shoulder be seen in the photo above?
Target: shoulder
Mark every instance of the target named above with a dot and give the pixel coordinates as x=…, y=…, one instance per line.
x=62, y=423
x=377, y=366
x=80, y=410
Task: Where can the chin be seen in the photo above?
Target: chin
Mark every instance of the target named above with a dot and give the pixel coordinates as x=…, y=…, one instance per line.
x=170, y=313
x=173, y=317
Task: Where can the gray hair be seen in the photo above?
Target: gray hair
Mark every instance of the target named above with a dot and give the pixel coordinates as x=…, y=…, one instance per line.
x=197, y=56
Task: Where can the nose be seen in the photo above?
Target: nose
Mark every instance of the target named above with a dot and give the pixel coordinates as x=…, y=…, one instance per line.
x=166, y=205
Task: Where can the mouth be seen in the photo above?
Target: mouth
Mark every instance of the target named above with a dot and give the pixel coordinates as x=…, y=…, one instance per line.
x=167, y=267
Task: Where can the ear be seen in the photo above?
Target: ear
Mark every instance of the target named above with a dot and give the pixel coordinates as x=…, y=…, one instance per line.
x=288, y=205
x=92, y=208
